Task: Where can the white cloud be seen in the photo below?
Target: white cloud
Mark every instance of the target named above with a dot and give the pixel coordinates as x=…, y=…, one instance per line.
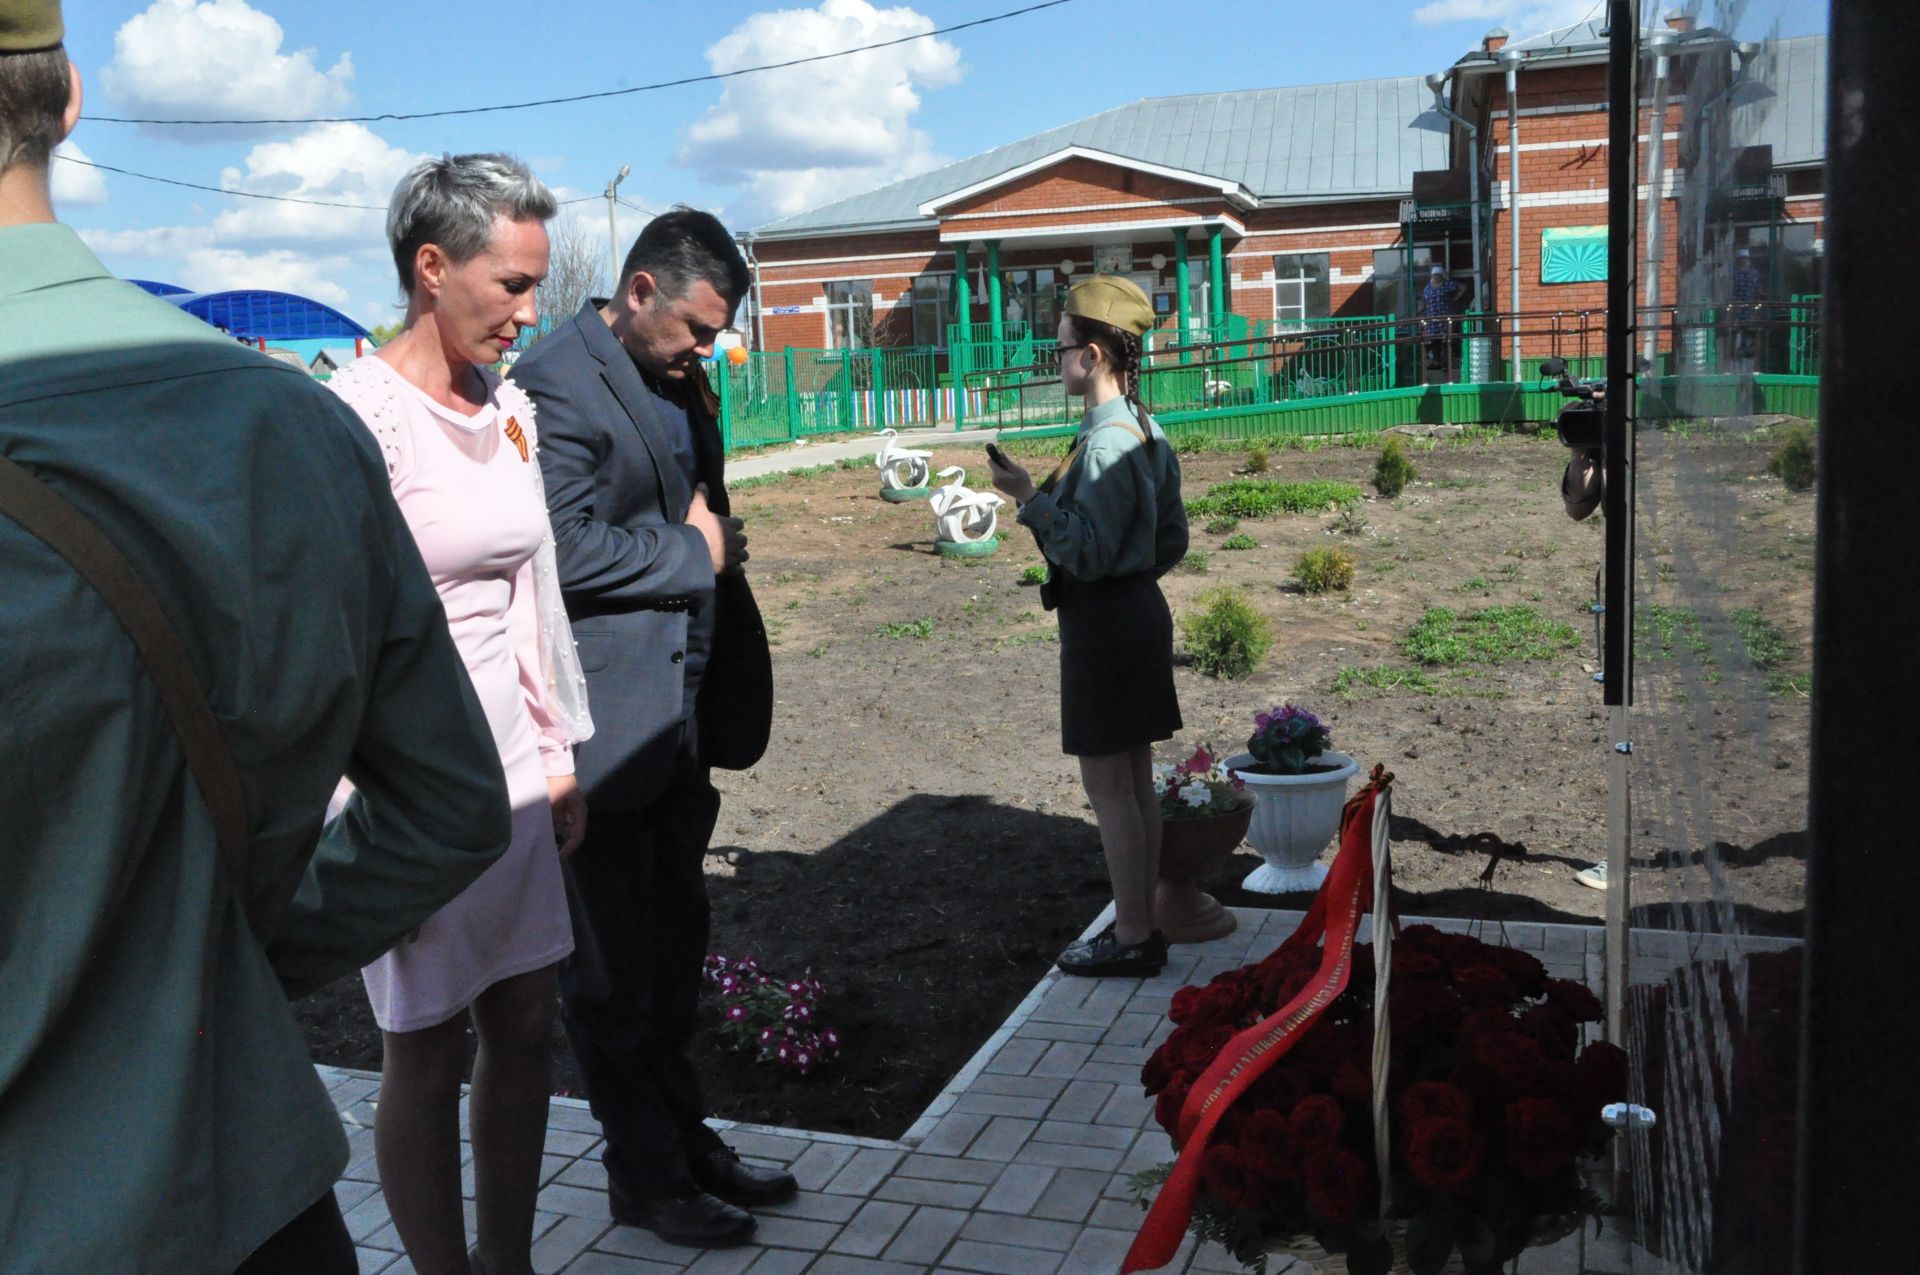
x=1521, y=18
x=219, y=59
x=278, y=269
x=152, y=244
x=331, y=163
x=810, y=134
x=75, y=183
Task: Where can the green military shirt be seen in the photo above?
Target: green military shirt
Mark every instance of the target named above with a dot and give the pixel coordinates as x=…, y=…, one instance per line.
x=158, y=1111
x=1117, y=510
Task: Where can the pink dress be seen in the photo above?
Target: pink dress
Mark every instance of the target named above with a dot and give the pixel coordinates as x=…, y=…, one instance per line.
x=463, y=484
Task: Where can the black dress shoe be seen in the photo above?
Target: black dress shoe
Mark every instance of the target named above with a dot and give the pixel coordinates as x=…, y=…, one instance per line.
x=693, y=1221
x=1105, y=956
x=725, y=1174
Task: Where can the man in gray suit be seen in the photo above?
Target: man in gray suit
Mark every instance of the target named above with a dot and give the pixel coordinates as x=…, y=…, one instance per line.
x=680, y=680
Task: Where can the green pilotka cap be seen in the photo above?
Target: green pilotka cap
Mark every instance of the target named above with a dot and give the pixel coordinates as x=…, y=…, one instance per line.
x=1108, y=299
x=29, y=26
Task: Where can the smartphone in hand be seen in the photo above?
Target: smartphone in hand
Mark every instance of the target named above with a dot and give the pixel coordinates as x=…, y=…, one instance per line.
x=998, y=457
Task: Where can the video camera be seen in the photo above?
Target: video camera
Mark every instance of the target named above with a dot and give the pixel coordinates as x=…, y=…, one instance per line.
x=1582, y=422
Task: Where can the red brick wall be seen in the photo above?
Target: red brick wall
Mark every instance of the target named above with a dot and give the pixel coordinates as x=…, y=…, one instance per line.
x=1074, y=182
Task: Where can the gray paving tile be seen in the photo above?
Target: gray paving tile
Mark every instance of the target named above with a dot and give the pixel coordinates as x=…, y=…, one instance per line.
x=814, y=1207
x=1085, y=1135
x=1002, y=1138
x=1096, y=1252
x=1152, y=1147
x=945, y=1169
x=925, y=1236
x=1117, y=1215
x=766, y=1146
x=819, y=1163
x=1081, y=1101
x=1018, y=1086
x=367, y=1217
x=567, y=1142
x=794, y=1232
x=1000, y=1259
x=1133, y=1027
x=569, y=1238
x=725, y=1261
x=597, y=1263
x=779, y=1261
x=1062, y=1058
x=1061, y=1156
x=954, y=1134
x=631, y=1241
x=1085, y=1032
x=1017, y=1056
x=951, y=1195
x=572, y=1119
x=1111, y=1073
x=373, y=1260
x=841, y=1264
x=575, y=1202
x=1022, y=1232
x=872, y=1228
x=1071, y=1196
x=1562, y=1258
x=350, y=1194
x=1000, y=1104
x=1018, y=1189
x=1134, y=1056
x=1129, y=1106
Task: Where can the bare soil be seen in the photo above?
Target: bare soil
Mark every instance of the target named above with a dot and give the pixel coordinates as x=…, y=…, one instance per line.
x=916, y=838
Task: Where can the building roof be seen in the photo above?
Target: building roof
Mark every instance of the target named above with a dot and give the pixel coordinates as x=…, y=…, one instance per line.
x=257, y=314
x=1311, y=142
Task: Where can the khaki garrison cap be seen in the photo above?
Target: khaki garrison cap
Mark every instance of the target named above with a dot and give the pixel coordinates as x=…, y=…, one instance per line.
x=28, y=26
x=1105, y=299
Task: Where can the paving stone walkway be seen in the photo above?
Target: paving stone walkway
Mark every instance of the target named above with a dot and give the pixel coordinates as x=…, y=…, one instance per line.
x=1020, y=1168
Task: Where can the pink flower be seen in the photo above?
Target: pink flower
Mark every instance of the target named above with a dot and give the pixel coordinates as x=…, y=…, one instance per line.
x=784, y=1053
x=830, y=1039
x=729, y=984
x=737, y=1014
x=798, y=1012
x=797, y=989
x=767, y=1036
x=746, y=965
x=802, y=1061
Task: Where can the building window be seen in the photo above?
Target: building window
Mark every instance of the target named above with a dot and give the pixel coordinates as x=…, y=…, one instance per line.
x=1301, y=287
x=1033, y=297
x=932, y=307
x=850, y=314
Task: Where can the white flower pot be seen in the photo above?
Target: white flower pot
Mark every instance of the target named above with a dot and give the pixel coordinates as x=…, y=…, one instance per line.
x=1295, y=817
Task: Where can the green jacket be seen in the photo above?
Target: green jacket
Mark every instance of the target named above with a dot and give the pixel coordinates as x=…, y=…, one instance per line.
x=1117, y=510
x=158, y=1110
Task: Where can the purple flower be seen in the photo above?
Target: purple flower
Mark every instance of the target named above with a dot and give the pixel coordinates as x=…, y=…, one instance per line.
x=767, y=1036
x=802, y=1061
x=798, y=1012
x=784, y=1053
x=737, y=1014
x=728, y=984
x=830, y=1040
x=746, y=965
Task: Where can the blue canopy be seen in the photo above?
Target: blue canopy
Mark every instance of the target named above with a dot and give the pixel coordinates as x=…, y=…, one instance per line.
x=254, y=314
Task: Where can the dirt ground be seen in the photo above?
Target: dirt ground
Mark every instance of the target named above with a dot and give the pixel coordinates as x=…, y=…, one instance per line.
x=917, y=840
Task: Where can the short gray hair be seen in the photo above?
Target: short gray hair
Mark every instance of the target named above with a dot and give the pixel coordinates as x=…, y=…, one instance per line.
x=453, y=202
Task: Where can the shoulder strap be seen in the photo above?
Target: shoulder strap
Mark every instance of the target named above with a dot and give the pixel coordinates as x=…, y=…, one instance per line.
x=1060, y=470
x=76, y=538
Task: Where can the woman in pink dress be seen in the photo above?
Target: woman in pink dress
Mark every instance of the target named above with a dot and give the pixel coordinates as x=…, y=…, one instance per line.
x=470, y=243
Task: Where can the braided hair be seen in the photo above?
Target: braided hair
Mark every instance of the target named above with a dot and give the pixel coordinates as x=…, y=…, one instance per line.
x=1124, y=353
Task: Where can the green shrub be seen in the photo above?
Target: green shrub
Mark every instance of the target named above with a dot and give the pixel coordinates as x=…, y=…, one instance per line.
x=1323, y=570
x=1793, y=459
x=1190, y=444
x=1195, y=561
x=1261, y=497
x=1393, y=471
x=921, y=629
x=1222, y=526
x=1257, y=460
x=1035, y=574
x=1240, y=541
x=1226, y=637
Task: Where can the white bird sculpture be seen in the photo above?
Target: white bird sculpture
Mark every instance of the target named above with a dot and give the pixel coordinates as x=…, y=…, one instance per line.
x=900, y=467
x=962, y=515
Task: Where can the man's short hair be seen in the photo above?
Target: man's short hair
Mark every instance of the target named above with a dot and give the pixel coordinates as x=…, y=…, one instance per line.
x=34, y=90
x=684, y=245
x=454, y=200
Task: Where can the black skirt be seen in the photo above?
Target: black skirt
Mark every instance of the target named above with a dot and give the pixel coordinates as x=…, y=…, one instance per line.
x=1116, y=664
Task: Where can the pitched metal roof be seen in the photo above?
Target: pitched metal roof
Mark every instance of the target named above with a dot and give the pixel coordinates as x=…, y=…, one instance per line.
x=1311, y=142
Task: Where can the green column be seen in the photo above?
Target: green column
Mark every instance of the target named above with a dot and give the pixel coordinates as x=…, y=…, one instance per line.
x=1216, y=283
x=1182, y=286
x=793, y=398
x=960, y=355
x=996, y=329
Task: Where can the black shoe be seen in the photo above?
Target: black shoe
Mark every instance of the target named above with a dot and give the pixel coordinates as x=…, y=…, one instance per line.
x=692, y=1221
x=721, y=1172
x=1104, y=956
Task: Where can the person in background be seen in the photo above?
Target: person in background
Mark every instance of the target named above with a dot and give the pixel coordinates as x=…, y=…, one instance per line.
x=1110, y=521
x=1744, y=296
x=677, y=663
x=1439, y=302
x=469, y=240
x=158, y=1109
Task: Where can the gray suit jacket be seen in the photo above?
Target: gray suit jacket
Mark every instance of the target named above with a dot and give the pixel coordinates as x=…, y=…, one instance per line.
x=632, y=570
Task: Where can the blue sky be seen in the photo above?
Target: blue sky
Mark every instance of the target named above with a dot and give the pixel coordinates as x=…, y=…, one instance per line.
x=753, y=148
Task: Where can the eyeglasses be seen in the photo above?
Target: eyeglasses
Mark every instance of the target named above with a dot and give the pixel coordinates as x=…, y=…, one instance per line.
x=1060, y=352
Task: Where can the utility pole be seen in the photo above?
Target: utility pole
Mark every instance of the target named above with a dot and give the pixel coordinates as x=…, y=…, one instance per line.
x=613, y=228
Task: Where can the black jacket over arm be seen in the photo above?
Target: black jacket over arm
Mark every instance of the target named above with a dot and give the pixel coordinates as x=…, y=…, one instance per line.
x=632, y=569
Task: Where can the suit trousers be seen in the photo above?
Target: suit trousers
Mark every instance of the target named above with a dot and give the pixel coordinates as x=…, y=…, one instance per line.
x=637, y=891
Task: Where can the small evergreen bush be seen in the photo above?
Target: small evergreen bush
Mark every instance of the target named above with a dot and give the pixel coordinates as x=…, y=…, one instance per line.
x=1393, y=471
x=1324, y=570
x=1793, y=461
x=1226, y=637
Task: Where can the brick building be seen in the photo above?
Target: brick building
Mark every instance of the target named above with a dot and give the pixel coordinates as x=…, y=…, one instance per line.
x=1288, y=204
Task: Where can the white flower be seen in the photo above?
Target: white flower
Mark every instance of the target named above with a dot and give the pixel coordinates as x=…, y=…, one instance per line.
x=1196, y=795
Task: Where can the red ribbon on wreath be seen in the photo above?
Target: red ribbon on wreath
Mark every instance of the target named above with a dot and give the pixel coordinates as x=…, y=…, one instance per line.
x=1344, y=897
